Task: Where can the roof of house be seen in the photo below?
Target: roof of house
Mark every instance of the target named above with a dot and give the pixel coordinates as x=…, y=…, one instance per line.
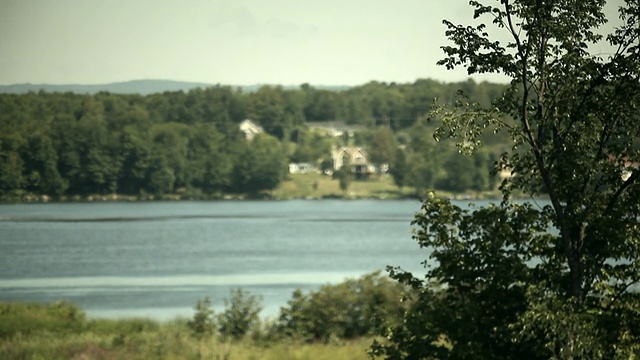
x=247, y=124
x=351, y=151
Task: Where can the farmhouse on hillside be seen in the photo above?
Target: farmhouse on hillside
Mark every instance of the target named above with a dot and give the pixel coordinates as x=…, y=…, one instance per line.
x=357, y=159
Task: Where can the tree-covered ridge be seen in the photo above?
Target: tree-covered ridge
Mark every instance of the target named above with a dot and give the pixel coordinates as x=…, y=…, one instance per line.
x=70, y=144
x=141, y=87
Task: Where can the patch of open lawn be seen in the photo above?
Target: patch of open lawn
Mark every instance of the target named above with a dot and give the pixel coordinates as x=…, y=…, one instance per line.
x=318, y=186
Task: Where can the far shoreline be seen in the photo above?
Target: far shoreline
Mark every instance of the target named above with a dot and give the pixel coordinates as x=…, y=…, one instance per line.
x=44, y=199
x=310, y=186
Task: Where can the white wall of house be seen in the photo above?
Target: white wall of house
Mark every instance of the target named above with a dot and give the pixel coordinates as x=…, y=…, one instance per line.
x=250, y=129
x=356, y=155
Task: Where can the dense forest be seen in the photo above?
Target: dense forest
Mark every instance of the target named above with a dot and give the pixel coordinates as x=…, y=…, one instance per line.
x=67, y=144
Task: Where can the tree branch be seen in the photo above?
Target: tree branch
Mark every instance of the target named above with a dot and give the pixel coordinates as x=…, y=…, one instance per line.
x=614, y=198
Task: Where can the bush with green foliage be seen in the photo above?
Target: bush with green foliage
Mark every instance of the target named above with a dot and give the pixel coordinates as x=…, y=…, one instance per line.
x=241, y=314
x=353, y=308
x=203, y=323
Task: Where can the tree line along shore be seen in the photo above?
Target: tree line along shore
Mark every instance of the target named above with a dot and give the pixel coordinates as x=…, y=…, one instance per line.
x=190, y=145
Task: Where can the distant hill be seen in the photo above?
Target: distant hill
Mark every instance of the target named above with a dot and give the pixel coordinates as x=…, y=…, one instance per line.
x=142, y=87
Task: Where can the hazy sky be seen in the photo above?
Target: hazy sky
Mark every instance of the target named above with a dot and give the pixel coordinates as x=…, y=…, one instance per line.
x=235, y=42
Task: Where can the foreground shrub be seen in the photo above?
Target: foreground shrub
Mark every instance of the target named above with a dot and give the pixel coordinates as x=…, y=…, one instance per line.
x=241, y=314
x=203, y=322
x=347, y=310
x=29, y=318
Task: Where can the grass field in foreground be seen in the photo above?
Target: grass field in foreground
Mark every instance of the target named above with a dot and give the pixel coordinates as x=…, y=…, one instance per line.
x=61, y=330
x=145, y=339
x=165, y=344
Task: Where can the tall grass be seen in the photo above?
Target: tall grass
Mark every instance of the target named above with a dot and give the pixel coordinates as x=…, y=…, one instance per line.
x=61, y=331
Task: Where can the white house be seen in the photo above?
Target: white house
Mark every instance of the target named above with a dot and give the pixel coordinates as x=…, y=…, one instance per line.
x=357, y=158
x=250, y=129
x=301, y=168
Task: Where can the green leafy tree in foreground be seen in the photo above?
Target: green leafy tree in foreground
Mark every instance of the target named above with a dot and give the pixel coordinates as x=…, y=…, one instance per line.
x=519, y=280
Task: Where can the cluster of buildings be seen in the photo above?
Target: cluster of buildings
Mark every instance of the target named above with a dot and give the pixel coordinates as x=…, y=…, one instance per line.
x=355, y=156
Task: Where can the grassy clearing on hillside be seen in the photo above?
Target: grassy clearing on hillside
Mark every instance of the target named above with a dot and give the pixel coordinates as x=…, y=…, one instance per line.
x=318, y=186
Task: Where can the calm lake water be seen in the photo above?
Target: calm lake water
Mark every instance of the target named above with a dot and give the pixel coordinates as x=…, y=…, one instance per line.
x=156, y=259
